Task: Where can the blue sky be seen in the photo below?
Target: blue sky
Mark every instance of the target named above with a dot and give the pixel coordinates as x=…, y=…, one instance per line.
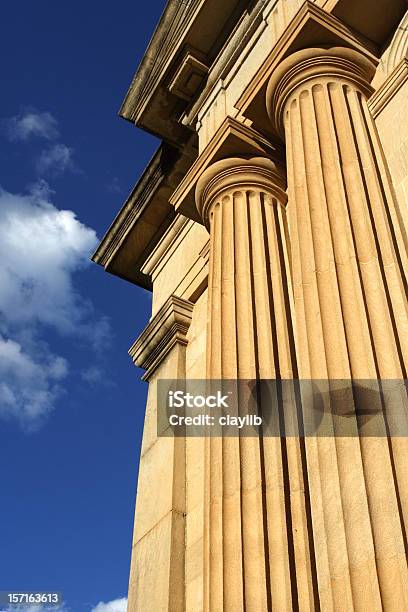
x=71, y=402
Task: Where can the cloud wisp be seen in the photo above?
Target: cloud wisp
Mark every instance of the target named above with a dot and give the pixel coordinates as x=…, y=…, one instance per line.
x=116, y=605
x=29, y=384
x=31, y=124
x=41, y=249
x=55, y=160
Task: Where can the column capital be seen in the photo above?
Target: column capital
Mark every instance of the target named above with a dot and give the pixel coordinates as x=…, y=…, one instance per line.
x=314, y=65
x=238, y=173
x=233, y=138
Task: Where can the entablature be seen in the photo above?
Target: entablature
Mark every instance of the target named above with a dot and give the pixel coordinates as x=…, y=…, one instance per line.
x=195, y=47
x=197, y=42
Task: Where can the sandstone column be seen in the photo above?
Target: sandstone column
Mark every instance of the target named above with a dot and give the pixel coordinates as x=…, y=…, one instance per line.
x=258, y=553
x=349, y=265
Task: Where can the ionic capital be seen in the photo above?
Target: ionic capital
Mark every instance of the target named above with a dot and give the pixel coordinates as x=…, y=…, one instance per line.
x=238, y=174
x=307, y=67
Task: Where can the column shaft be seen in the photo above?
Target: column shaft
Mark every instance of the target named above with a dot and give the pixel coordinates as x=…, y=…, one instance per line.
x=351, y=312
x=259, y=553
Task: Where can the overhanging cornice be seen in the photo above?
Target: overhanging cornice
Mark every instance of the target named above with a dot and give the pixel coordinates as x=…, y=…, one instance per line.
x=193, y=28
x=143, y=218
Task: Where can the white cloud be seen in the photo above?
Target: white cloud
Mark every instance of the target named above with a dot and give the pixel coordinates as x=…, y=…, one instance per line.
x=116, y=605
x=29, y=384
x=41, y=248
x=55, y=160
x=29, y=124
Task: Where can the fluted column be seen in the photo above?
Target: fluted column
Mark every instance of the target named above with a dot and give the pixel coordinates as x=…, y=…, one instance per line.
x=259, y=554
x=349, y=266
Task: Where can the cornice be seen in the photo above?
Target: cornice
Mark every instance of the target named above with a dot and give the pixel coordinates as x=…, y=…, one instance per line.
x=382, y=96
x=166, y=329
x=187, y=38
x=192, y=31
x=194, y=37
x=144, y=217
x=232, y=139
x=168, y=35
x=144, y=188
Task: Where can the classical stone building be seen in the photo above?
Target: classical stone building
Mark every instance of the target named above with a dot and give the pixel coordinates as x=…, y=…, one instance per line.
x=270, y=226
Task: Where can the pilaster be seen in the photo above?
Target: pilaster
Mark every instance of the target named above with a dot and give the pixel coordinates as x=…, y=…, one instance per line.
x=167, y=329
x=389, y=107
x=157, y=575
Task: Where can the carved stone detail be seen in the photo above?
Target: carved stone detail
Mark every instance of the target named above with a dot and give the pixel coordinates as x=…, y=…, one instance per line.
x=167, y=328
